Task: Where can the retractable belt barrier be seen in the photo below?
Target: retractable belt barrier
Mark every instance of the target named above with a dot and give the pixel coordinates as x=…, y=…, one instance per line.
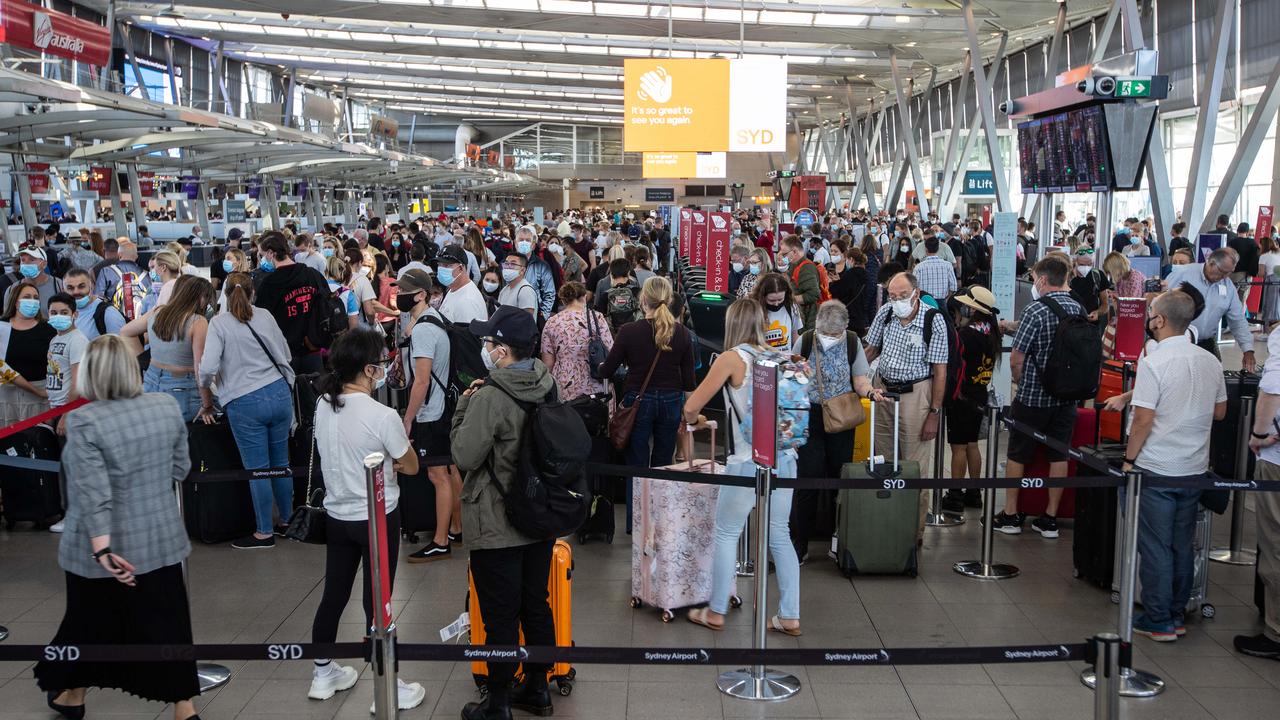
x=43, y=417
x=577, y=655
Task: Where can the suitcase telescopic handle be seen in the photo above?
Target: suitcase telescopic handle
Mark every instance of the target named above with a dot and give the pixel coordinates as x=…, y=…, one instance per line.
x=897, y=407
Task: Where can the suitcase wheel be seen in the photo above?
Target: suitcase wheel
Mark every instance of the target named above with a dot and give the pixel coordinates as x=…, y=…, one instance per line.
x=1115, y=597
x=565, y=687
x=635, y=602
x=411, y=537
x=1207, y=611
x=668, y=616
x=735, y=601
x=481, y=684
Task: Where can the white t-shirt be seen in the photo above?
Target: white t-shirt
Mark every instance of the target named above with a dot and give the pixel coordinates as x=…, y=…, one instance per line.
x=65, y=350
x=822, y=256
x=781, y=328
x=1181, y=382
x=1270, y=384
x=432, y=343
x=464, y=304
x=521, y=295
x=363, y=289
x=362, y=426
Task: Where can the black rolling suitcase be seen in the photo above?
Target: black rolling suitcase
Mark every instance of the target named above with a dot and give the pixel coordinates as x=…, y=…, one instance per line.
x=1093, y=543
x=600, y=522
x=216, y=511
x=31, y=495
x=417, y=498
x=1224, y=436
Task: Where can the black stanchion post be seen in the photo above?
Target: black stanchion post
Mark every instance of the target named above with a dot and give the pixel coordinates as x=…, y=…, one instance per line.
x=211, y=675
x=938, y=517
x=1106, y=668
x=1235, y=553
x=382, y=633
x=986, y=568
x=1133, y=682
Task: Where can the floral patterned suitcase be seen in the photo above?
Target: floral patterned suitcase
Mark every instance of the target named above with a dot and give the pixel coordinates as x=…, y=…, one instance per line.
x=672, y=536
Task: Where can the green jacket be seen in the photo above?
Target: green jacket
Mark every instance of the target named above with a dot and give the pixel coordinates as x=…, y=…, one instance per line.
x=808, y=289
x=486, y=431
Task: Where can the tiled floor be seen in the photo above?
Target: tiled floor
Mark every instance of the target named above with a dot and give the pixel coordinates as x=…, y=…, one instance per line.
x=271, y=596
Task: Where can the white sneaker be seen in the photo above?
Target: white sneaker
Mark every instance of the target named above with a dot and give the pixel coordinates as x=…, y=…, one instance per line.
x=57, y=527
x=331, y=679
x=410, y=695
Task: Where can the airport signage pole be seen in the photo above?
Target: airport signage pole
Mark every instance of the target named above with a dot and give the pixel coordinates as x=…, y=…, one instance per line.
x=759, y=682
x=382, y=634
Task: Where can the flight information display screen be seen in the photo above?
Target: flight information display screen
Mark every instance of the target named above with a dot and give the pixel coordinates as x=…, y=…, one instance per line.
x=1065, y=153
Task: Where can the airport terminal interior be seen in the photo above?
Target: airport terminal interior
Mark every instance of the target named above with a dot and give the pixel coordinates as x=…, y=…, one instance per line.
x=165, y=165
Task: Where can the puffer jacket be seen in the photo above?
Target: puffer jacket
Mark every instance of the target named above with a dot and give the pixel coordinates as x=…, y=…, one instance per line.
x=486, y=433
x=540, y=275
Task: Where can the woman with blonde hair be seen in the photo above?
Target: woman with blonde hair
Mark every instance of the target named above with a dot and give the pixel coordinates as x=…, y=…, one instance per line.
x=124, y=543
x=758, y=263
x=248, y=356
x=166, y=267
x=177, y=332
x=234, y=261
x=659, y=355
x=1126, y=281
x=744, y=335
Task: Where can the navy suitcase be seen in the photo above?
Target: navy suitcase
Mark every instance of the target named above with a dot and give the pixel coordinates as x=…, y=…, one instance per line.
x=31, y=495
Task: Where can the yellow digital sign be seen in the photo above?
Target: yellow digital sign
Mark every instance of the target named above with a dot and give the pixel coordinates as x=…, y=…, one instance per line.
x=675, y=105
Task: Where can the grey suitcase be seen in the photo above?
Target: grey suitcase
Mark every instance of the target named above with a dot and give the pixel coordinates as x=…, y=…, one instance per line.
x=876, y=529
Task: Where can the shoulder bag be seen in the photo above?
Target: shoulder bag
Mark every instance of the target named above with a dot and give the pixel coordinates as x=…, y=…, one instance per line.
x=842, y=412
x=297, y=414
x=624, y=418
x=309, y=523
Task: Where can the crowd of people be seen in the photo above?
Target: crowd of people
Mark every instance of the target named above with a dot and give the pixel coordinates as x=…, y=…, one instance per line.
x=590, y=306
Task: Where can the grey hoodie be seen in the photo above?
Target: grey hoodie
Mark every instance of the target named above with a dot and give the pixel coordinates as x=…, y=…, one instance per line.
x=486, y=430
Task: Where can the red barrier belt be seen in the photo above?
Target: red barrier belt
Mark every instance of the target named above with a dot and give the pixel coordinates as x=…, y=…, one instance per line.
x=43, y=417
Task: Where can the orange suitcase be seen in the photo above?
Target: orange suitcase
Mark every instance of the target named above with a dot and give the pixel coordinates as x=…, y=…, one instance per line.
x=560, y=596
x=1112, y=383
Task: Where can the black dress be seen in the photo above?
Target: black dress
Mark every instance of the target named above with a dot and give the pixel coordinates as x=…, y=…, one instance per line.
x=106, y=612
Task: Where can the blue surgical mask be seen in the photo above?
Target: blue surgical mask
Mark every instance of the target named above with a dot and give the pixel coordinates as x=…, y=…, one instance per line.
x=509, y=274
x=228, y=266
x=753, y=269
x=155, y=276
x=1133, y=240
x=395, y=243
x=379, y=382
x=29, y=270
x=61, y=323
x=445, y=275
x=327, y=252
x=266, y=266
x=523, y=247
x=29, y=307
x=83, y=302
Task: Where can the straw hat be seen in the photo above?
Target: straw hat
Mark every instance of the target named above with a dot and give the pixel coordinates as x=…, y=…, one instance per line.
x=978, y=298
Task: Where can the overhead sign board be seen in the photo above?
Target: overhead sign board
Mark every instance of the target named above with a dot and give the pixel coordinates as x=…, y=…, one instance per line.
x=660, y=195
x=710, y=105
x=234, y=211
x=979, y=182
x=1133, y=88
x=597, y=192
x=36, y=28
x=700, y=165
x=804, y=218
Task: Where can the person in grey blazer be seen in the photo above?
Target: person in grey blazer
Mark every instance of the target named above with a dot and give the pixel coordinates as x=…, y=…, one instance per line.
x=124, y=542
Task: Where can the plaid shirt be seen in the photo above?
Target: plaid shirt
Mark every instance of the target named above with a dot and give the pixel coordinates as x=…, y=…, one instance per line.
x=936, y=277
x=903, y=356
x=1035, y=339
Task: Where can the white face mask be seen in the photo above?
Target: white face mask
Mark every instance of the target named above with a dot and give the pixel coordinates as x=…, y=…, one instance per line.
x=837, y=258
x=364, y=271
x=903, y=308
x=490, y=286
x=738, y=267
x=783, y=262
x=486, y=357
x=1035, y=292
x=556, y=248
x=1083, y=270
x=828, y=342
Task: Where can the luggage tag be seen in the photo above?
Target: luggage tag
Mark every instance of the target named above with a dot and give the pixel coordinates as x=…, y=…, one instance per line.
x=1222, y=291
x=456, y=628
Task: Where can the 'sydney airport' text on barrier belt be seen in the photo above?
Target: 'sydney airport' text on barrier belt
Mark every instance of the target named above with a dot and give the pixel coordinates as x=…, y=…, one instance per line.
x=713, y=656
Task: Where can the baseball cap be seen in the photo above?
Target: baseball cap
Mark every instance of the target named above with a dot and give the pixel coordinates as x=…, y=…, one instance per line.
x=413, y=281
x=234, y=234
x=451, y=255
x=509, y=325
x=633, y=232
x=35, y=252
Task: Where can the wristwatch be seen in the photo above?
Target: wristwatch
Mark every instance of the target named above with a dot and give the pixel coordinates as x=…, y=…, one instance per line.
x=934, y=410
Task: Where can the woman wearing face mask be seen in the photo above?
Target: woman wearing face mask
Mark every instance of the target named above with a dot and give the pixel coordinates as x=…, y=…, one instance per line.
x=166, y=266
x=1136, y=246
x=782, y=319
x=248, y=356
x=362, y=264
x=848, y=281
x=233, y=261
x=384, y=280
x=491, y=285
x=176, y=332
x=398, y=251
x=840, y=366
x=474, y=244
x=974, y=312
x=899, y=249
x=338, y=275
x=564, y=344
x=659, y=353
x=25, y=338
x=571, y=263
x=758, y=265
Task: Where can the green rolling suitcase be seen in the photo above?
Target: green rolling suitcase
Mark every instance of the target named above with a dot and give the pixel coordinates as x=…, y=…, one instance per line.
x=876, y=529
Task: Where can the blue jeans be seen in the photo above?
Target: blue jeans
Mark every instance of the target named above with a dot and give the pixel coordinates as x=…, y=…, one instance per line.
x=181, y=387
x=1166, y=535
x=657, y=422
x=732, y=508
x=260, y=423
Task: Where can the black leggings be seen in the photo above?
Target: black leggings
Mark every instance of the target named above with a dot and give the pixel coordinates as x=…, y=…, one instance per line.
x=346, y=550
x=511, y=585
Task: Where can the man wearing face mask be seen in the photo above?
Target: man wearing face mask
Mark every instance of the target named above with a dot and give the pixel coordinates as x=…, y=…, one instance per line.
x=537, y=273
x=509, y=569
x=33, y=266
x=1033, y=405
x=737, y=266
x=463, y=301
x=94, y=317
x=913, y=364
x=516, y=292
x=1213, y=279
x=294, y=294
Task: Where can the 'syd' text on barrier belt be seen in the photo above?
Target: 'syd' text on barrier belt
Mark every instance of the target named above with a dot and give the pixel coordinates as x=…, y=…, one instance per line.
x=576, y=655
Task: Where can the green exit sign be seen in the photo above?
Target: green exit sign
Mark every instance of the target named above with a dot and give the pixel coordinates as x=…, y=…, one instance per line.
x=1133, y=88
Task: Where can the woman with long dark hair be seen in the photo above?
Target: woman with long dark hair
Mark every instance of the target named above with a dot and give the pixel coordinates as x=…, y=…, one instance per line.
x=350, y=426
x=177, y=332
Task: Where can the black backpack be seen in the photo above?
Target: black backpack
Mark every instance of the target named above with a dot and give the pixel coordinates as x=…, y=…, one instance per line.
x=955, y=348
x=549, y=496
x=1074, y=366
x=465, y=365
x=327, y=318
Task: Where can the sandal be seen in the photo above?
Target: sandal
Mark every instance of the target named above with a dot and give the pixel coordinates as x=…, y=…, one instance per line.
x=775, y=625
x=698, y=616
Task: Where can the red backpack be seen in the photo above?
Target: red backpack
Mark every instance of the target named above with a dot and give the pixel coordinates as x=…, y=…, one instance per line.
x=824, y=284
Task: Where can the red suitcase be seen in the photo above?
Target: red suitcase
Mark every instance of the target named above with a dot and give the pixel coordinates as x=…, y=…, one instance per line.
x=1034, y=502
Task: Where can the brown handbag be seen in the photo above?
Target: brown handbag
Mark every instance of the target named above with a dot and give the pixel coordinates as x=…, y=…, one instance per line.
x=842, y=412
x=624, y=418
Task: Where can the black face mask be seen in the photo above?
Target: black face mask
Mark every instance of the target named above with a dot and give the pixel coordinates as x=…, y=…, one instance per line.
x=406, y=303
x=773, y=308
x=1151, y=334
